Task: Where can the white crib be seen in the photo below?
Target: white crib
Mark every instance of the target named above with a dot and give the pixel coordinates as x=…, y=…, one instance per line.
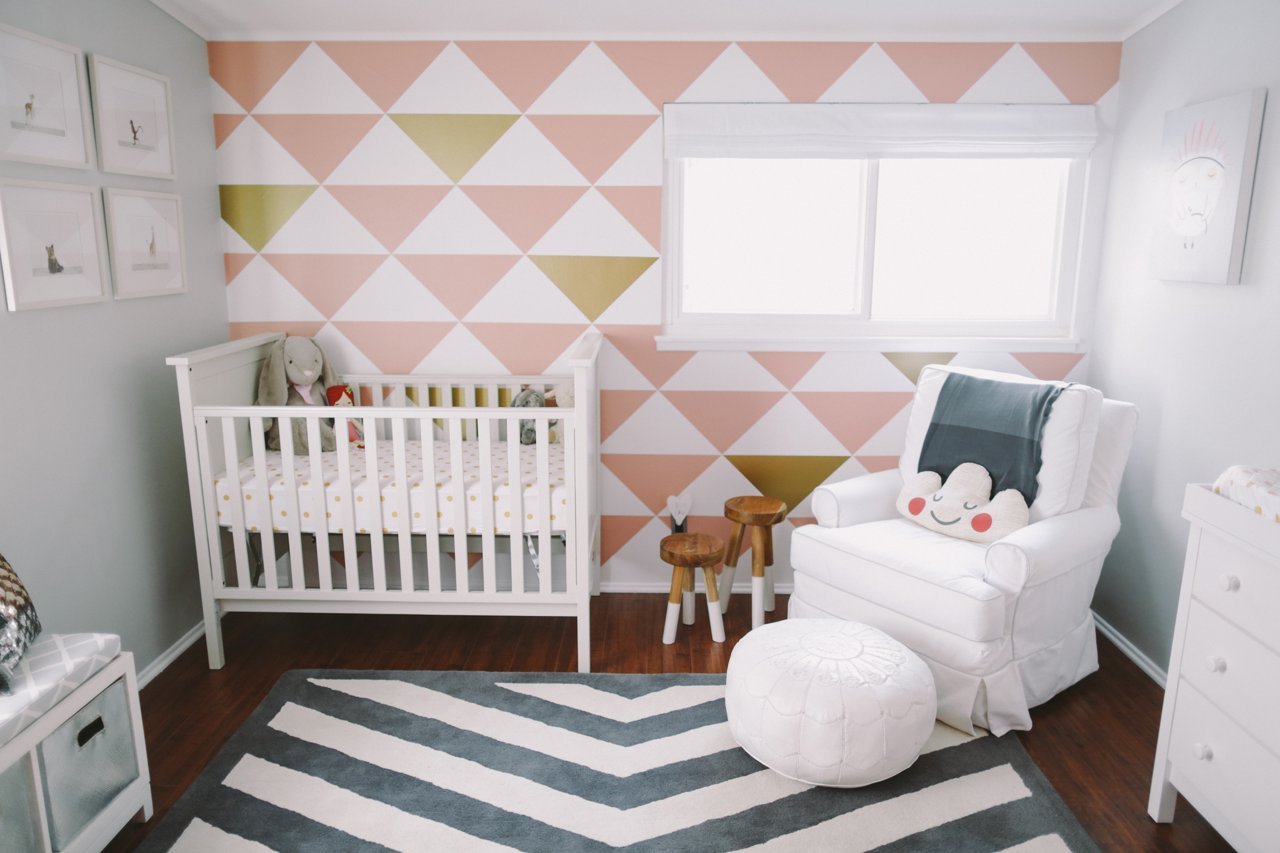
x=442, y=510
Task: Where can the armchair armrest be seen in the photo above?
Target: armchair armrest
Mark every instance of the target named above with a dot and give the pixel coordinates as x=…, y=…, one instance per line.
x=857, y=500
x=1048, y=548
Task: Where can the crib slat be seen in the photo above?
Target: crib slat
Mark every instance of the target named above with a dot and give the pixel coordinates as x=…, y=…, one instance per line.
x=266, y=532
x=469, y=401
x=431, y=503
x=515, y=498
x=373, y=485
x=239, y=527
x=320, y=506
x=217, y=567
x=346, y=495
x=544, y=506
x=484, y=447
x=459, y=494
x=423, y=402
x=291, y=514
x=403, y=510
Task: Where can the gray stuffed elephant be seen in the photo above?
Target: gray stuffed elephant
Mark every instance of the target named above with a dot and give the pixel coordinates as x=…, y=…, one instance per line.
x=296, y=373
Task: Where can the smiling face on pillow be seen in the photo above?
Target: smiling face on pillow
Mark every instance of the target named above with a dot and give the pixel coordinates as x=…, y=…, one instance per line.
x=963, y=507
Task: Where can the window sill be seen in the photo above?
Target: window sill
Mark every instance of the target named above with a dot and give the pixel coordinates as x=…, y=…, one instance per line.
x=747, y=343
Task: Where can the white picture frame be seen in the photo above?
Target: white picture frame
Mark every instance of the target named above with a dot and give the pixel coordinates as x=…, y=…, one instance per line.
x=44, y=101
x=1209, y=153
x=52, y=245
x=133, y=114
x=147, y=248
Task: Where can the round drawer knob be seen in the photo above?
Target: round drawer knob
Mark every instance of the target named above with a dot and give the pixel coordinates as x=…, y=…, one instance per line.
x=1230, y=583
x=1216, y=664
x=1202, y=751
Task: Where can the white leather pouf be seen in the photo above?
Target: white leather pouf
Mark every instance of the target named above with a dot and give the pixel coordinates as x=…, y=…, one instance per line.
x=829, y=702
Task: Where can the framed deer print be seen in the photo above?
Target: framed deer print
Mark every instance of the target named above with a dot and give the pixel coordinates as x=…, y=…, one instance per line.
x=44, y=104
x=134, y=119
x=144, y=231
x=51, y=251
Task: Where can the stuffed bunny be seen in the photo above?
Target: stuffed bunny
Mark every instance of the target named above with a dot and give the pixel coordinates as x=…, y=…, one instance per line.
x=296, y=373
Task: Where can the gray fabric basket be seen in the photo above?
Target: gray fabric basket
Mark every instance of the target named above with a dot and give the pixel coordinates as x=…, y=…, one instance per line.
x=19, y=823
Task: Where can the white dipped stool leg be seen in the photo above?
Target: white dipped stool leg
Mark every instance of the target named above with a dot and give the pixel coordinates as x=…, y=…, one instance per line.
x=687, y=598
x=673, y=605
x=769, y=602
x=757, y=602
x=726, y=587
x=731, y=554
x=713, y=606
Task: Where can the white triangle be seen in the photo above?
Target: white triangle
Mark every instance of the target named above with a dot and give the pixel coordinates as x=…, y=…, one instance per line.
x=524, y=295
x=524, y=157
x=658, y=427
x=460, y=352
x=999, y=361
x=224, y=104
x=640, y=165
x=1107, y=110
x=233, y=243
x=251, y=156
x=637, y=563
x=1014, y=79
x=713, y=486
x=718, y=371
x=592, y=85
x=346, y=356
x=788, y=429
x=616, y=498
x=619, y=374
x=452, y=84
x=874, y=78
x=323, y=226
x=639, y=304
x=392, y=293
x=315, y=85
x=854, y=371
x=260, y=294
x=593, y=227
x=889, y=439
x=386, y=156
x=732, y=78
x=457, y=226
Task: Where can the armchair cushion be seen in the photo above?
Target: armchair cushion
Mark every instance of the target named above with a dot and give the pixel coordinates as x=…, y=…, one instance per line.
x=963, y=506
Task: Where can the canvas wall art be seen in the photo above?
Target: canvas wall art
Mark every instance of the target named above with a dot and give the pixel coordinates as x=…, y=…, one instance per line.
x=44, y=106
x=52, y=248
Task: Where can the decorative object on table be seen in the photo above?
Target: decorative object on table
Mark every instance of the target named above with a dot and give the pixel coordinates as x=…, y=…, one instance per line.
x=644, y=762
x=52, y=248
x=1209, y=153
x=685, y=553
x=44, y=102
x=678, y=506
x=760, y=514
x=342, y=397
x=19, y=623
x=144, y=232
x=134, y=124
x=963, y=506
x=1256, y=488
x=296, y=373
x=829, y=702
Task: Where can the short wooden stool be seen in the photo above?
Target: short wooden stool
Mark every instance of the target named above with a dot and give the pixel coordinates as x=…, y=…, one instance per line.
x=760, y=514
x=686, y=552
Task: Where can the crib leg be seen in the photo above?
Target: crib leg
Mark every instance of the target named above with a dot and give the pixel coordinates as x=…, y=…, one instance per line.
x=213, y=635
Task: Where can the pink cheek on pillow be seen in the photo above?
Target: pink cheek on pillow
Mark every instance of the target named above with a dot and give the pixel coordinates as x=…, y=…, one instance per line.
x=916, y=506
x=981, y=522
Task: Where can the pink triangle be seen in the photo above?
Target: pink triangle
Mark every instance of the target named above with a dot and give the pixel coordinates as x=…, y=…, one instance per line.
x=642, y=207
x=662, y=70
x=874, y=464
x=1049, y=365
x=327, y=281
x=247, y=70
x=804, y=70
x=653, y=477
x=944, y=71
x=522, y=69
x=383, y=69
x=1083, y=71
x=593, y=143
x=318, y=142
x=723, y=416
x=801, y=520
x=472, y=558
x=389, y=212
x=306, y=329
x=223, y=125
x=395, y=347
x=637, y=345
x=527, y=348
x=854, y=416
x=524, y=213
x=787, y=367
x=617, y=530
x=617, y=406
x=233, y=263
x=459, y=281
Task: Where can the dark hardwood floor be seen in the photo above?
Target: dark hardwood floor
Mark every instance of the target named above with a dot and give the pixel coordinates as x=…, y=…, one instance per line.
x=1095, y=742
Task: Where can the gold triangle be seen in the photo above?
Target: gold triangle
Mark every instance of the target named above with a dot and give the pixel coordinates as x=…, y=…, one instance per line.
x=788, y=478
x=911, y=363
x=257, y=211
x=592, y=284
x=454, y=142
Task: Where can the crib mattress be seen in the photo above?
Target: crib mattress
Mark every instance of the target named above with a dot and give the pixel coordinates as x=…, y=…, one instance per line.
x=377, y=501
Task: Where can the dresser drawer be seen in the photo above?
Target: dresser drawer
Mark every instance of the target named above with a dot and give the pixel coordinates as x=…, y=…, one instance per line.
x=1229, y=769
x=1239, y=585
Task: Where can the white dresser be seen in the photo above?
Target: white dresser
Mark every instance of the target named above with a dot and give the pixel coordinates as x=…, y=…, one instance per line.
x=1220, y=731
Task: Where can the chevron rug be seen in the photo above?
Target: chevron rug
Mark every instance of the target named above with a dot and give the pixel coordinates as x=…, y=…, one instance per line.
x=445, y=761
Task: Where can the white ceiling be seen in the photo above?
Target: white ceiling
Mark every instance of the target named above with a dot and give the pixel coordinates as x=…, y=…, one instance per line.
x=840, y=20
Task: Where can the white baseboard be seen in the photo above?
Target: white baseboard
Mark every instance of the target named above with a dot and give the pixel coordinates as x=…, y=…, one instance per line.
x=1132, y=652
x=169, y=655
x=739, y=588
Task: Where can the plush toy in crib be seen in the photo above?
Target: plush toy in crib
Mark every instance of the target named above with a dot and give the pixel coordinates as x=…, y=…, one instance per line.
x=341, y=395
x=963, y=506
x=296, y=373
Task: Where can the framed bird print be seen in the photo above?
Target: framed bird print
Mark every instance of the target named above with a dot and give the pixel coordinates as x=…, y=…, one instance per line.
x=133, y=119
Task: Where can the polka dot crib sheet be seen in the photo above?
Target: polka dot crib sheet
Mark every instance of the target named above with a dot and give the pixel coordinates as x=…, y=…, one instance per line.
x=366, y=498
x=1256, y=488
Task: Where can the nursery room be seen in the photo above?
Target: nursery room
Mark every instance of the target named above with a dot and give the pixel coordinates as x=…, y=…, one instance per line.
x=833, y=425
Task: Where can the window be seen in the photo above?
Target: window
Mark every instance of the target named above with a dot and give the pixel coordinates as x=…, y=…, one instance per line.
x=828, y=226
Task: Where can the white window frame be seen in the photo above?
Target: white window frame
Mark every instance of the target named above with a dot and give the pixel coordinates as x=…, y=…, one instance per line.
x=874, y=132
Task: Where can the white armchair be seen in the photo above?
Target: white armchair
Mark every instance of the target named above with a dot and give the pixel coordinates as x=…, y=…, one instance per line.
x=1004, y=626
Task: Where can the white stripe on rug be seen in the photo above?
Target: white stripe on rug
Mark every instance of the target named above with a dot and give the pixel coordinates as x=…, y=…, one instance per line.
x=1042, y=844
x=513, y=729
x=611, y=706
x=892, y=820
x=201, y=837
x=346, y=811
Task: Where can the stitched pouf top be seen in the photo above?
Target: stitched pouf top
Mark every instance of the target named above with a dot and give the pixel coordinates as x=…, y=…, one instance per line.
x=829, y=702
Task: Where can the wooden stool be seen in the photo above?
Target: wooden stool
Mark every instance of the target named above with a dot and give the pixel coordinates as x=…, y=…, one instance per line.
x=686, y=552
x=760, y=514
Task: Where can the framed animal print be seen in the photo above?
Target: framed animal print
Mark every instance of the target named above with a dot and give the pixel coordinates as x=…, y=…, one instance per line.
x=51, y=251
x=44, y=103
x=144, y=232
x=133, y=119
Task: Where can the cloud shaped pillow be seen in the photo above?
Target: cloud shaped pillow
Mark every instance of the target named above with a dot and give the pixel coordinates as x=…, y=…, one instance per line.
x=963, y=506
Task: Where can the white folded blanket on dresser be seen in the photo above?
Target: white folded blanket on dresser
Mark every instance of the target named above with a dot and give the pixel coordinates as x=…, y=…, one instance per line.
x=1256, y=488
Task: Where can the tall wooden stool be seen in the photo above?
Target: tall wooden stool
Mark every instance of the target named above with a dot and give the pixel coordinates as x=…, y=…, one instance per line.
x=760, y=514
x=687, y=552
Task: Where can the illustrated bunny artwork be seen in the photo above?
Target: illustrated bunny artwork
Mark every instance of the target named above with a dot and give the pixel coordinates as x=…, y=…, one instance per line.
x=296, y=373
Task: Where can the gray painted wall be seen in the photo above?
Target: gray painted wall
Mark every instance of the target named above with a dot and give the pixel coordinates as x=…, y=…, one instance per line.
x=94, y=512
x=1199, y=359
